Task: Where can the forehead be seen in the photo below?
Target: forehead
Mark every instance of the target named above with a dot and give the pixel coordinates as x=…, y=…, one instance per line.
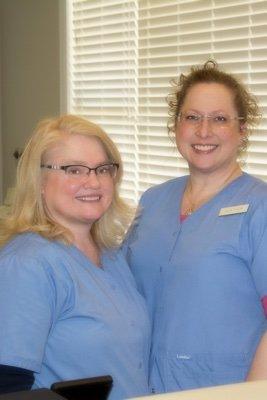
x=88, y=149
x=211, y=96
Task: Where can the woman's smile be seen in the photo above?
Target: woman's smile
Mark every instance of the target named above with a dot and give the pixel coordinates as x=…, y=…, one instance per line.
x=204, y=148
x=88, y=198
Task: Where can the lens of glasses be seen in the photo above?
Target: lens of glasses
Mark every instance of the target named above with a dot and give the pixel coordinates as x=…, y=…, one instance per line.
x=107, y=169
x=76, y=170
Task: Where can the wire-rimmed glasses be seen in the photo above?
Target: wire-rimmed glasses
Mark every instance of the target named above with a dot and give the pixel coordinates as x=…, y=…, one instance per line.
x=218, y=122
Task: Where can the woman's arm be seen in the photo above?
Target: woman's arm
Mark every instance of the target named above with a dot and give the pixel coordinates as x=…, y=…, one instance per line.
x=27, y=298
x=14, y=379
x=258, y=369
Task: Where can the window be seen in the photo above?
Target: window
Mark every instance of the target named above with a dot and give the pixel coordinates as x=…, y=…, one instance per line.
x=123, y=54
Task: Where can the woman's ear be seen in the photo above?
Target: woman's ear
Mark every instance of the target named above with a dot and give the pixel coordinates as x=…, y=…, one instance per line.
x=243, y=128
x=243, y=138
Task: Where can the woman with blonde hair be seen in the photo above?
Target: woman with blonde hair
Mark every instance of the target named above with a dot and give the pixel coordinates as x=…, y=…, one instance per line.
x=69, y=307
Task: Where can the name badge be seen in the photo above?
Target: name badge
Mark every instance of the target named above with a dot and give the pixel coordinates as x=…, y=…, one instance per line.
x=241, y=208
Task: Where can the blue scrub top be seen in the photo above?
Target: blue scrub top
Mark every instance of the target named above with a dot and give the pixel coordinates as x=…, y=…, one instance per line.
x=64, y=318
x=205, y=282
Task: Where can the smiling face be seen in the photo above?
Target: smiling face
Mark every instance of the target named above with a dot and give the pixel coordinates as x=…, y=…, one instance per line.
x=76, y=202
x=206, y=147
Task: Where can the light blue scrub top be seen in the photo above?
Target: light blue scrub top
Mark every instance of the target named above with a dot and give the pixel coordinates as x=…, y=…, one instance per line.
x=64, y=318
x=205, y=282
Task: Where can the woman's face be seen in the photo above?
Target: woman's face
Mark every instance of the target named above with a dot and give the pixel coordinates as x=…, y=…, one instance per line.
x=209, y=144
x=76, y=202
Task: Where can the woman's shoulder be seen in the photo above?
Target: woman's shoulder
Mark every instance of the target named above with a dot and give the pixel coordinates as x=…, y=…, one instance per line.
x=31, y=263
x=27, y=243
x=255, y=187
x=251, y=192
x=22, y=242
x=37, y=257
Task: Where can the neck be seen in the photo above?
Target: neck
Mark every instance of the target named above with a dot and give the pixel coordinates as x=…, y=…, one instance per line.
x=200, y=190
x=210, y=181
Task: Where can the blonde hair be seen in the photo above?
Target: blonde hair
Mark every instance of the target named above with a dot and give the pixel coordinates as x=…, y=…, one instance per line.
x=28, y=212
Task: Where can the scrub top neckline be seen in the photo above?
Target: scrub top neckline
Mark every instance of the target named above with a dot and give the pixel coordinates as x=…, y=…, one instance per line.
x=210, y=201
x=78, y=254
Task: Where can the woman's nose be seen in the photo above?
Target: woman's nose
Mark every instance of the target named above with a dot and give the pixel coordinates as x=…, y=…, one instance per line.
x=204, y=128
x=91, y=180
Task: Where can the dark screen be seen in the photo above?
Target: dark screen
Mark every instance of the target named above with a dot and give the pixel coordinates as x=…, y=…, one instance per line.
x=96, y=388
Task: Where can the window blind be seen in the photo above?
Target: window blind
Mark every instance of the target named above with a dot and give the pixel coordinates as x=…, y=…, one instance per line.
x=123, y=54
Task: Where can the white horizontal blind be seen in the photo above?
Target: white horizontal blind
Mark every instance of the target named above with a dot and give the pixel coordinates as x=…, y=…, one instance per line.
x=124, y=53
x=103, y=74
x=158, y=27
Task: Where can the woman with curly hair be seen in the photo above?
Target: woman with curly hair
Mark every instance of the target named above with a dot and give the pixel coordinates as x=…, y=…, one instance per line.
x=198, y=248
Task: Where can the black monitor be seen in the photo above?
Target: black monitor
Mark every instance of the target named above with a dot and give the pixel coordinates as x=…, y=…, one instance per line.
x=96, y=388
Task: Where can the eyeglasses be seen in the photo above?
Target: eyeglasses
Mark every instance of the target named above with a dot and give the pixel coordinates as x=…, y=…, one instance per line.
x=80, y=171
x=217, y=121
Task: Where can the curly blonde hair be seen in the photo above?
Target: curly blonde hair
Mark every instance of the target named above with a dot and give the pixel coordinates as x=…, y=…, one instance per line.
x=28, y=213
x=245, y=103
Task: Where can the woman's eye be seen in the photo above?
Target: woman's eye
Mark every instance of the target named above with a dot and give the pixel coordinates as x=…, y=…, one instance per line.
x=220, y=119
x=74, y=171
x=192, y=117
x=103, y=170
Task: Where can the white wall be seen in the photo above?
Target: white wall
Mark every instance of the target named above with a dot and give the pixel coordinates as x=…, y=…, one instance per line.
x=30, y=72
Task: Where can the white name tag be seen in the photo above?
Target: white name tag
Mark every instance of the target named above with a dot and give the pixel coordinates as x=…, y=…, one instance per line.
x=241, y=208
